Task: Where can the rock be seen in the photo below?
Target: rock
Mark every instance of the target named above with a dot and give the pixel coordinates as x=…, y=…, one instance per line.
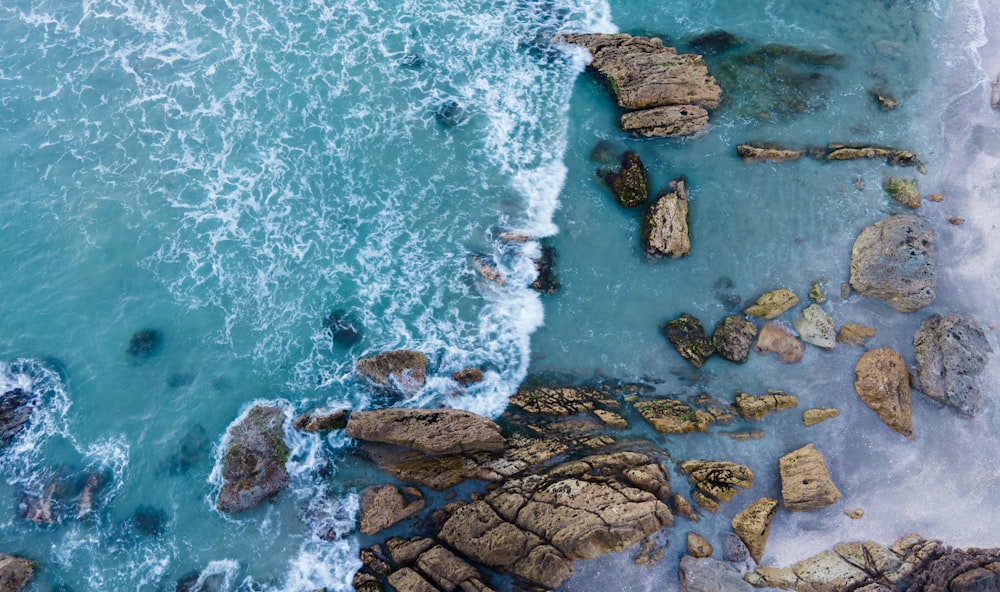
x=811, y=417
x=852, y=334
x=773, y=303
x=644, y=75
x=629, y=184
x=733, y=337
x=14, y=572
x=719, y=479
x=776, y=337
x=816, y=292
x=467, y=376
x=384, y=505
x=903, y=190
x=894, y=260
x=448, y=572
x=827, y=572
x=670, y=416
x=411, y=581
x=855, y=514
x=805, y=481
x=766, y=152
x=344, y=329
x=935, y=197
x=951, y=352
x=893, y=156
x=16, y=408
x=149, y=521
x=547, y=280
x=400, y=370
x=253, y=466
x=735, y=551
x=560, y=401
x=715, y=42
x=698, y=546
x=144, y=343
x=488, y=270
x=665, y=224
x=816, y=327
x=450, y=113
x=611, y=419
x=325, y=422
x=955, y=220
x=757, y=408
x=753, y=525
x=431, y=431
x=995, y=93
x=883, y=384
x=710, y=575
x=682, y=507
x=688, y=337
x=885, y=100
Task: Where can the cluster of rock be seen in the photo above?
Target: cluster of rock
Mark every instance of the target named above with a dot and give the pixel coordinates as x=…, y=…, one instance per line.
x=664, y=93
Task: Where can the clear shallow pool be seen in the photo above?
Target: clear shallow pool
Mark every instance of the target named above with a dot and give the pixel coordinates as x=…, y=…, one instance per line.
x=231, y=174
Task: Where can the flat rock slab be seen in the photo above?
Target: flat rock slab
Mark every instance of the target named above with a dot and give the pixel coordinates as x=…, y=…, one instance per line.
x=710, y=575
x=883, y=384
x=894, y=260
x=431, y=431
x=951, y=352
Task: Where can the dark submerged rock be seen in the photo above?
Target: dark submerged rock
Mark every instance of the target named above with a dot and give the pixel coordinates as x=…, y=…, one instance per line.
x=321, y=422
x=343, y=327
x=450, y=113
x=951, y=352
x=192, y=449
x=16, y=408
x=547, y=281
x=145, y=343
x=629, y=183
x=149, y=521
x=253, y=466
x=715, y=42
x=688, y=336
x=467, y=376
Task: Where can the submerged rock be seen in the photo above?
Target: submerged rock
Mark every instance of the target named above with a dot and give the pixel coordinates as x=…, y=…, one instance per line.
x=253, y=465
x=883, y=384
x=192, y=449
x=431, y=431
x=665, y=224
x=343, y=328
x=753, y=525
x=312, y=422
x=776, y=337
x=893, y=260
x=14, y=572
x=450, y=113
x=629, y=183
x=704, y=574
x=149, y=520
x=733, y=337
x=402, y=371
x=547, y=280
x=467, y=376
x=688, y=337
x=805, y=481
x=560, y=401
x=715, y=42
x=144, y=343
x=951, y=352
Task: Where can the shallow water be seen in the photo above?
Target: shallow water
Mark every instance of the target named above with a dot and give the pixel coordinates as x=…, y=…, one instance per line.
x=229, y=175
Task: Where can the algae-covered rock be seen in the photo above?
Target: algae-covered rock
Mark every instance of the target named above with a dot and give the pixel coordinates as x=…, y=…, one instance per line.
x=893, y=156
x=951, y=352
x=893, y=259
x=665, y=224
x=883, y=384
x=719, y=479
x=629, y=184
x=253, y=465
x=771, y=304
x=688, y=337
x=560, y=401
x=903, y=190
x=733, y=337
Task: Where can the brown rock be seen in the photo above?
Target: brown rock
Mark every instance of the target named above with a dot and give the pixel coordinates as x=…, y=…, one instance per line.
x=446, y=570
x=719, y=479
x=467, y=376
x=805, y=481
x=698, y=546
x=759, y=407
x=855, y=514
x=670, y=120
x=562, y=401
x=431, y=431
x=610, y=418
x=753, y=525
x=670, y=416
x=852, y=334
x=893, y=260
x=400, y=370
x=883, y=384
x=893, y=156
x=323, y=422
x=776, y=337
x=733, y=337
x=253, y=466
x=811, y=417
x=411, y=581
x=682, y=507
x=665, y=225
x=383, y=506
x=760, y=152
x=827, y=572
x=14, y=572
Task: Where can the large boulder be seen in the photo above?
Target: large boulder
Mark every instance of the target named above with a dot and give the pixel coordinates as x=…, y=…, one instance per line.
x=883, y=384
x=401, y=370
x=733, y=337
x=753, y=525
x=688, y=337
x=893, y=260
x=14, y=572
x=253, y=466
x=431, y=431
x=951, y=352
x=629, y=183
x=646, y=76
x=805, y=481
x=665, y=225
x=816, y=327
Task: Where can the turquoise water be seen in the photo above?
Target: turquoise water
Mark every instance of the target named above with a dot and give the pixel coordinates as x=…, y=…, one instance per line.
x=230, y=174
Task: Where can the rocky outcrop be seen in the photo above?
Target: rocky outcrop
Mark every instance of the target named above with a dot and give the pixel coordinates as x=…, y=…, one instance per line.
x=816, y=327
x=755, y=408
x=629, y=183
x=385, y=505
x=14, y=572
x=733, y=337
x=665, y=93
x=710, y=575
x=561, y=401
x=811, y=417
x=771, y=304
x=402, y=371
x=431, y=431
x=951, y=352
x=665, y=224
x=893, y=156
x=670, y=416
x=688, y=337
x=16, y=408
x=768, y=152
x=776, y=337
x=312, y=422
x=805, y=481
x=253, y=465
x=883, y=384
x=853, y=334
x=903, y=190
x=753, y=525
x=894, y=260
x=716, y=481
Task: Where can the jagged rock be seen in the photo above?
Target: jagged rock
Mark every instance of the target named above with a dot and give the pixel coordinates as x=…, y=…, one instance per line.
x=14, y=572
x=682, y=507
x=827, y=572
x=853, y=334
x=753, y=525
x=385, y=505
x=894, y=260
x=805, y=481
x=758, y=407
x=710, y=575
x=431, y=431
x=883, y=384
x=903, y=190
x=811, y=417
x=816, y=292
x=665, y=224
x=855, y=514
x=16, y=407
x=325, y=422
x=629, y=184
x=698, y=546
x=670, y=416
x=816, y=327
x=645, y=75
x=448, y=571
x=719, y=479
x=411, y=581
x=688, y=337
x=773, y=303
x=893, y=156
x=401, y=370
x=768, y=152
x=547, y=280
x=467, y=376
x=253, y=466
x=951, y=352
x=776, y=337
x=560, y=401
x=733, y=337
x=715, y=42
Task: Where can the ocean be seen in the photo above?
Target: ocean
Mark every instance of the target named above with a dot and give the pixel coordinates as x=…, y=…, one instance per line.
x=223, y=178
